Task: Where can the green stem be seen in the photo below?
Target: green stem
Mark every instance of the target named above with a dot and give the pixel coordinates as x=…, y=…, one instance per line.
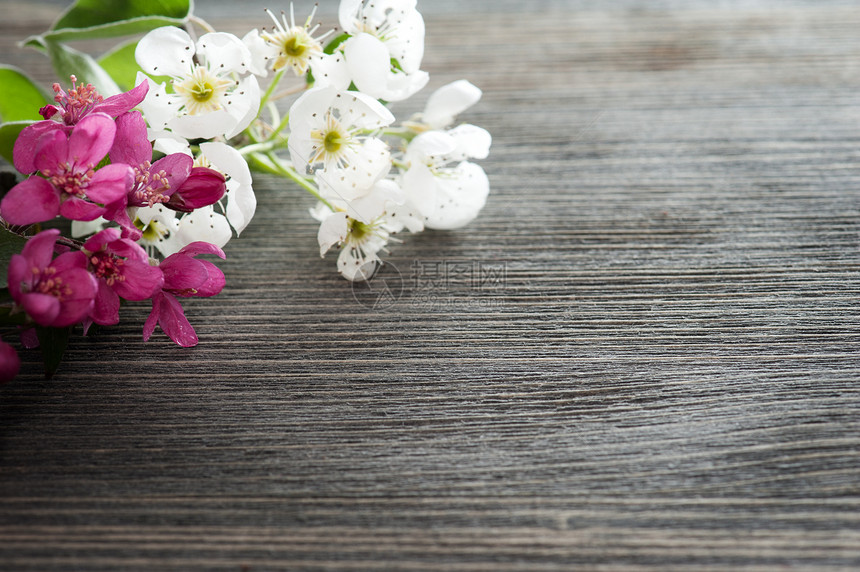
x=275, y=81
x=290, y=173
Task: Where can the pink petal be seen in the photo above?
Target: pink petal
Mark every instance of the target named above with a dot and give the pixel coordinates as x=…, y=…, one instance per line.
x=141, y=280
x=31, y=201
x=24, y=151
x=214, y=284
x=40, y=249
x=122, y=102
x=176, y=167
x=110, y=184
x=76, y=306
x=183, y=273
x=78, y=209
x=91, y=140
x=10, y=363
x=131, y=146
x=105, y=306
x=202, y=188
x=52, y=151
x=128, y=249
x=174, y=323
x=200, y=247
x=75, y=260
x=20, y=272
x=152, y=319
x=43, y=308
x=101, y=239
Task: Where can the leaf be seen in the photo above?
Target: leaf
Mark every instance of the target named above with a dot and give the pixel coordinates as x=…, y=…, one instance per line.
x=121, y=66
x=335, y=42
x=112, y=18
x=53, y=342
x=21, y=98
x=69, y=61
x=8, y=134
x=10, y=244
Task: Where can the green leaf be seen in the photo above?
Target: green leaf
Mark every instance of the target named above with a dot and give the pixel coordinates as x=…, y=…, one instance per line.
x=10, y=244
x=8, y=134
x=69, y=61
x=335, y=42
x=53, y=342
x=87, y=19
x=121, y=65
x=21, y=98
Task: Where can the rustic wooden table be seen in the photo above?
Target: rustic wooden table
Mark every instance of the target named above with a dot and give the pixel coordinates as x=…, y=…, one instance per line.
x=642, y=356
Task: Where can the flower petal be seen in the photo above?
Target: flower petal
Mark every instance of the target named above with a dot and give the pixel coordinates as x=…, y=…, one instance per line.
x=224, y=52
x=173, y=322
x=332, y=231
x=43, y=308
x=110, y=184
x=369, y=63
x=214, y=283
x=90, y=141
x=204, y=225
x=24, y=151
x=74, y=208
x=52, y=151
x=165, y=51
x=448, y=101
x=30, y=201
x=105, y=309
x=197, y=248
x=176, y=168
x=122, y=102
x=10, y=363
x=202, y=188
x=131, y=145
x=141, y=280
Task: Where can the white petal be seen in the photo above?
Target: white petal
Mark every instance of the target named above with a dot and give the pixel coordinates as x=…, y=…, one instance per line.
x=86, y=228
x=332, y=231
x=459, y=197
x=419, y=185
x=361, y=110
x=448, y=101
x=330, y=70
x=155, y=106
x=369, y=163
x=167, y=142
x=206, y=225
x=407, y=43
x=223, y=53
x=158, y=213
x=357, y=266
x=369, y=64
x=472, y=142
x=403, y=86
x=165, y=51
x=241, y=200
x=430, y=144
x=258, y=49
x=203, y=126
x=243, y=104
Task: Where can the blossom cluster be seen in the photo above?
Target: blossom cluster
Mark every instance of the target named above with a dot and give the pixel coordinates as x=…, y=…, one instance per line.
x=155, y=176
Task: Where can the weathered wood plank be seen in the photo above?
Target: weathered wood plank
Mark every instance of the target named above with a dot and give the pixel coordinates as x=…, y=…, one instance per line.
x=658, y=371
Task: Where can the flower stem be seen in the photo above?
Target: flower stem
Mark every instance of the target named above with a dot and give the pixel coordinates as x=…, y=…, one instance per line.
x=290, y=173
x=275, y=81
x=202, y=23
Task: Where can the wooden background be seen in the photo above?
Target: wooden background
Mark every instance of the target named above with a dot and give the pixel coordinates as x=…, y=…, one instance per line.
x=659, y=373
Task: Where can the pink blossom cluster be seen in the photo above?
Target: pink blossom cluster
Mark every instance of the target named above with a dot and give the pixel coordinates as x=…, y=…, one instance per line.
x=89, y=158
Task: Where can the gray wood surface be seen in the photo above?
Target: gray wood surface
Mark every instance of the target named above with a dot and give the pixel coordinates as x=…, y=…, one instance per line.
x=659, y=371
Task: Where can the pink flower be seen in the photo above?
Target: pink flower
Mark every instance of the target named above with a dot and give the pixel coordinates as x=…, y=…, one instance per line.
x=122, y=269
x=172, y=180
x=184, y=276
x=10, y=363
x=71, y=186
x=72, y=106
x=55, y=293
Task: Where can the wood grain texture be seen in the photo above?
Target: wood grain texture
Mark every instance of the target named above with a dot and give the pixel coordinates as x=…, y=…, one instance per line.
x=659, y=371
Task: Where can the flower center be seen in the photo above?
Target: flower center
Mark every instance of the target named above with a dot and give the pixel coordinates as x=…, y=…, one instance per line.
x=77, y=102
x=202, y=91
x=107, y=267
x=149, y=187
x=70, y=181
x=152, y=232
x=50, y=285
x=331, y=143
x=358, y=230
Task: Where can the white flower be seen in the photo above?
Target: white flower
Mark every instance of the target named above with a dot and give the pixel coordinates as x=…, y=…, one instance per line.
x=158, y=225
x=241, y=200
x=384, y=53
x=446, y=189
x=207, y=97
x=362, y=230
x=331, y=135
x=447, y=102
x=286, y=46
